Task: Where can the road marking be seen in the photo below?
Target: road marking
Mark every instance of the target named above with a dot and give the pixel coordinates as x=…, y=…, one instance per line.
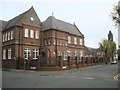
x=88, y=78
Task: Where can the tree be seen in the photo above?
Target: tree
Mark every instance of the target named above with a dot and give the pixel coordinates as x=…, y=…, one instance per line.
x=116, y=14
x=108, y=47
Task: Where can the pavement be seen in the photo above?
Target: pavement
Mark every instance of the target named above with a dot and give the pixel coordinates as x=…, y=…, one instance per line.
x=46, y=73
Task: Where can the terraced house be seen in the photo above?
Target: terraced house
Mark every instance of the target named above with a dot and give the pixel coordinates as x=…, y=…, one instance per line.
x=26, y=41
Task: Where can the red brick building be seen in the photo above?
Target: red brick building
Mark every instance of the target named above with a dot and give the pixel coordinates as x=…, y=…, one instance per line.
x=26, y=38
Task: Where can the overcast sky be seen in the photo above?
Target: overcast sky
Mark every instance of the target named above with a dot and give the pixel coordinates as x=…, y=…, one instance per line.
x=92, y=17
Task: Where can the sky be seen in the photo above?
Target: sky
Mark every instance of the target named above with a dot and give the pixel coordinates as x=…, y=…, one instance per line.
x=92, y=17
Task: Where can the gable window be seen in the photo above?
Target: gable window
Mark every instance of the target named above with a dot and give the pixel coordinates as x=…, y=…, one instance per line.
x=31, y=33
x=3, y=38
x=4, y=53
x=69, y=39
x=8, y=35
x=9, y=53
x=65, y=56
x=75, y=40
x=37, y=34
x=27, y=53
x=26, y=32
x=81, y=43
x=11, y=34
x=35, y=53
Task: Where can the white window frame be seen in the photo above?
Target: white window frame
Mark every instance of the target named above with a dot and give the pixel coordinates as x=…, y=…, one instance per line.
x=9, y=53
x=69, y=39
x=58, y=53
x=26, y=32
x=37, y=34
x=3, y=38
x=81, y=53
x=35, y=53
x=4, y=53
x=8, y=35
x=28, y=53
x=81, y=41
x=11, y=34
x=75, y=53
x=31, y=33
x=65, y=56
x=75, y=40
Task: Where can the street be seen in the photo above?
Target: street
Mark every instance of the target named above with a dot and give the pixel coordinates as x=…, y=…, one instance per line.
x=97, y=77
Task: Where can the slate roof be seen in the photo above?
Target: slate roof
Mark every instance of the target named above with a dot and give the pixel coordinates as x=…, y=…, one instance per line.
x=23, y=17
x=2, y=24
x=90, y=51
x=53, y=23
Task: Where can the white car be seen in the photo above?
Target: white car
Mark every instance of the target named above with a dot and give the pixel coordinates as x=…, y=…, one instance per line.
x=114, y=62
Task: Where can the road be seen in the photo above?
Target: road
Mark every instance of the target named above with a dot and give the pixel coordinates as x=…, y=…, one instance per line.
x=98, y=77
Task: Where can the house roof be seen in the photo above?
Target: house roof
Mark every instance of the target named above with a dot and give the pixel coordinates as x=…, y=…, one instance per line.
x=2, y=24
x=90, y=51
x=53, y=23
x=23, y=18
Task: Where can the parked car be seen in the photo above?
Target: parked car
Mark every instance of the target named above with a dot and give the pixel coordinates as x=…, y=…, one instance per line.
x=114, y=61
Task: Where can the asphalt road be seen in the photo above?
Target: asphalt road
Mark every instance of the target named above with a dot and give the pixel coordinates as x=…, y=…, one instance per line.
x=98, y=77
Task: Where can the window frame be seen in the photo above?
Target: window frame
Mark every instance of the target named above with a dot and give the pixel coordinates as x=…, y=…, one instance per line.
x=69, y=39
x=81, y=41
x=28, y=53
x=31, y=33
x=11, y=33
x=36, y=53
x=75, y=40
x=9, y=37
x=9, y=53
x=4, y=53
x=26, y=33
x=3, y=38
x=65, y=56
x=36, y=34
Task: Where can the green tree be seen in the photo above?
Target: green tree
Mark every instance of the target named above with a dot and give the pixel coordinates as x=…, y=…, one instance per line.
x=116, y=13
x=108, y=47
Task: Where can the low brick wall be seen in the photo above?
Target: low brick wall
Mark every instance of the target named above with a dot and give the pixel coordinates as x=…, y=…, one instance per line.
x=48, y=69
x=11, y=64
